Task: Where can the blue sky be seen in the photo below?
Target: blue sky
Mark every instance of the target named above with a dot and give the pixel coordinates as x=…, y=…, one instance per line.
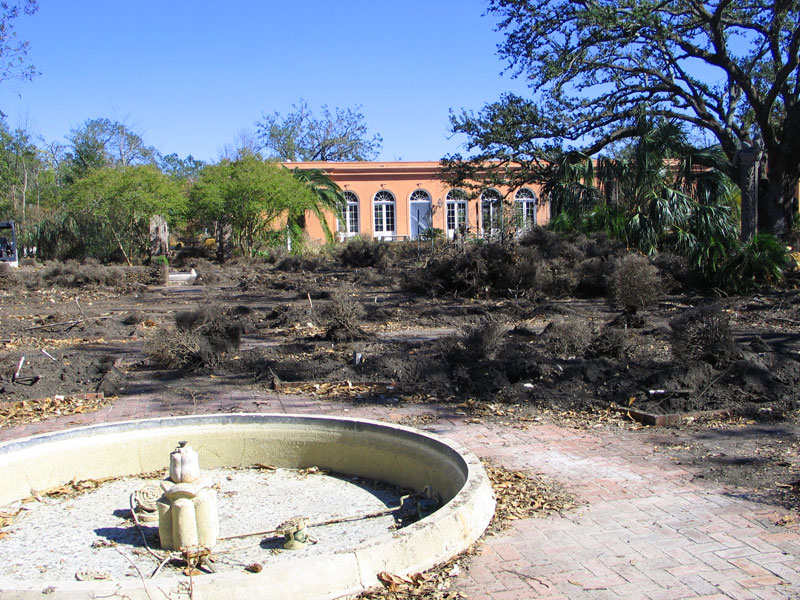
x=189, y=75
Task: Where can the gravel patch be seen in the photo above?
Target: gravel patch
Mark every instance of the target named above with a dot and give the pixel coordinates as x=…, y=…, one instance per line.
x=93, y=533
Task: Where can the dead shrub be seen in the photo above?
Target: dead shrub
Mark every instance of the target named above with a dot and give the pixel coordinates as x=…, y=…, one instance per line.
x=90, y=273
x=342, y=316
x=211, y=276
x=370, y=276
x=552, y=245
x=253, y=280
x=599, y=245
x=133, y=318
x=213, y=323
x=207, y=272
x=158, y=273
x=474, y=343
x=610, y=343
x=8, y=277
x=591, y=277
x=289, y=315
x=187, y=256
x=566, y=338
x=360, y=253
x=482, y=340
x=480, y=270
x=633, y=283
x=175, y=349
x=674, y=269
x=556, y=278
x=298, y=263
x=31, y=279
x=704, y=333
x=200, y=338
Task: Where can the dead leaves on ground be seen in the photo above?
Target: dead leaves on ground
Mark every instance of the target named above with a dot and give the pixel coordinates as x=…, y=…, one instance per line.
x=338, y=389
x=520, y=494
x=435, y=584
x=37, y=343
x=524, y=495
x=71, y=489
x=20, y=412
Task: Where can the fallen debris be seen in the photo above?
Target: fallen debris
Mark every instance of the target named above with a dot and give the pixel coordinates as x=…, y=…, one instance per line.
x=32, y=411
x=520, y=494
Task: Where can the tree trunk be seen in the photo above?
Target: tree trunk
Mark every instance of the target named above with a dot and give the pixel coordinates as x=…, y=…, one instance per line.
x=159, y=236
x=748, y=160
x=24, y=192
x=223, y=234
x=775, y=204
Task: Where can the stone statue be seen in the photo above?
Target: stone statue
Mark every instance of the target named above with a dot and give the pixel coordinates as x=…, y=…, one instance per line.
x=187, y=511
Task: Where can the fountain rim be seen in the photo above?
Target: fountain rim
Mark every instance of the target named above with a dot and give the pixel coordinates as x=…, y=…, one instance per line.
x=448, y=531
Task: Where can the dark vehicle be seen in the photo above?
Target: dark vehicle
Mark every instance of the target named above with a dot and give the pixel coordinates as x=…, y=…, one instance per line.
x=8, y=243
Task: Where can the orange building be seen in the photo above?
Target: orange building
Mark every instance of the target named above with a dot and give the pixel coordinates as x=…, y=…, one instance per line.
x=402, y=200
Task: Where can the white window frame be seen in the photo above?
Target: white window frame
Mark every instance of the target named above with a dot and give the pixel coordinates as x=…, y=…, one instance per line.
x=526, y=208
x=491, y=205
x=349, y=221
x=384, y=215
x=456, y=212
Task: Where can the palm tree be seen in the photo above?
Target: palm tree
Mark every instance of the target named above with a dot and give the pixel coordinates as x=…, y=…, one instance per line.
x=328, y=197
x=657, y=192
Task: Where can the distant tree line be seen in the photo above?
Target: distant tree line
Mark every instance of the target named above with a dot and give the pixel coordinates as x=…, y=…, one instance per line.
x=94, y=196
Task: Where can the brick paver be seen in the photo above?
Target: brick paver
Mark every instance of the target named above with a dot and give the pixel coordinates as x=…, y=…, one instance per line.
x=644, y=527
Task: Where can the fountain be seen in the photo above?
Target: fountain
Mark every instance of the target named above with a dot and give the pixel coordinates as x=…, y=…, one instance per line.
x=398, y=456
x=187, y=512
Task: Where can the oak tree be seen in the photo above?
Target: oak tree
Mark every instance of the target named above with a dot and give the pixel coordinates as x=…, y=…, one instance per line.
x=728, y=68
x=341, y=135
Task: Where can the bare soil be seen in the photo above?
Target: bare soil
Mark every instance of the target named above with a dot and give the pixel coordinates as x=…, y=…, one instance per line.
x=360, y=334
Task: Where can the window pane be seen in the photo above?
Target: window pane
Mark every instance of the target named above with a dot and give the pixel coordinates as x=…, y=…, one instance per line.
x=390, y=217
x=353, y=223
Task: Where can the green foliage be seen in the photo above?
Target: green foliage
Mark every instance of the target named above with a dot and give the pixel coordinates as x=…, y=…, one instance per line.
x=99, y=143
x=431, y=234
x=24, y=184
x=653, y=197
x=300, y=136
x=562, y=223
x=595, y=67
x=253, y=196
x=64, y=235
x=327, y=197
x=13, y=52
x=124, y=199
x=757, y=264
x=183, y=169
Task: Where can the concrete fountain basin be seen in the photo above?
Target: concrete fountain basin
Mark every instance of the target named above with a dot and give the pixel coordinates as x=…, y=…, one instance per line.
x=396, y=455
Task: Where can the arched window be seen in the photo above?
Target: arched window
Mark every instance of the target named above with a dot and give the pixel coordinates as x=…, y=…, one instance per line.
x=491, y=212
x=383, y=211
x=525, y=201
x=456, y=213
x=349, y=221
x=419, y=212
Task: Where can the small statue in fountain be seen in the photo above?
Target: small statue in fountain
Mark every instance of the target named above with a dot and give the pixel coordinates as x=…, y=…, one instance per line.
x=187, y=510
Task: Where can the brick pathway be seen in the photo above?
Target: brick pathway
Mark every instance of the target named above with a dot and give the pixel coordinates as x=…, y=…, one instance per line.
x=644, y=529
